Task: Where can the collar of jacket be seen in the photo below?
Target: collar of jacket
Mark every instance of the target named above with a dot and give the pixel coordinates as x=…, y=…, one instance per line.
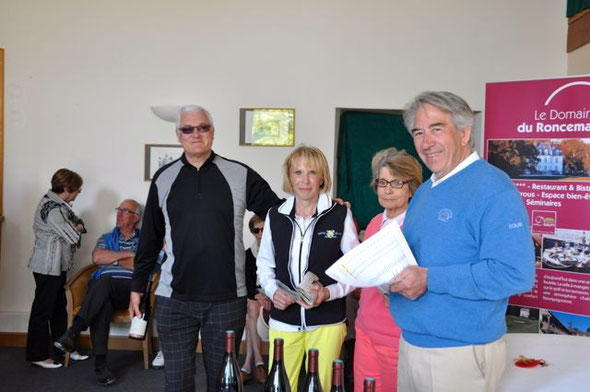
x=288, y=207
x=206, y=163
x=54, y=197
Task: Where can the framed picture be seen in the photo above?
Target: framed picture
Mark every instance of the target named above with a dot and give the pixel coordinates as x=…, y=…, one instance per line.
x=158, y=155
x=267, y=127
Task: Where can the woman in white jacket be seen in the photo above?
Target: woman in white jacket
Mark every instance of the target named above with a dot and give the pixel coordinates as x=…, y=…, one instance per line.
x=307, y=233
x=57, y=235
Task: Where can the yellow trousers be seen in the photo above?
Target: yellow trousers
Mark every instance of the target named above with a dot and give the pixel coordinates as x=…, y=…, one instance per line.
x=328, y=340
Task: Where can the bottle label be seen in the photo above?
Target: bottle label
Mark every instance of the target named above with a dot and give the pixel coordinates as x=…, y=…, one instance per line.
x=138, y=328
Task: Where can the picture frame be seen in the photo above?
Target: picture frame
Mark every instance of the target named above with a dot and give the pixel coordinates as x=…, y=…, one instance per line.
x=267, y=127
x=158, y=155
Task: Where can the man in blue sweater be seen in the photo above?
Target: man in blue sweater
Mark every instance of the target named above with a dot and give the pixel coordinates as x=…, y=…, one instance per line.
x=468, y=229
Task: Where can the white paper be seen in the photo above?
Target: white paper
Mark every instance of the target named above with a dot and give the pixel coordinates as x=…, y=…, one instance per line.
x=376, y=261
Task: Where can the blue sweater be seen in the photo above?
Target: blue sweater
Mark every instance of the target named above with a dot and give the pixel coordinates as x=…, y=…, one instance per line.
x=472, y=233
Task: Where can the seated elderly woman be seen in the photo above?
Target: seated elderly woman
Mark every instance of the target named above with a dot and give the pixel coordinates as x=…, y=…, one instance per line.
x=396, y=176
x=308, y=232
x=256, y=300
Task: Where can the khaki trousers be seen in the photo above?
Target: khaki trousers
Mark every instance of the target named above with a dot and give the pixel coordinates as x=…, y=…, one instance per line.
x=451, y=369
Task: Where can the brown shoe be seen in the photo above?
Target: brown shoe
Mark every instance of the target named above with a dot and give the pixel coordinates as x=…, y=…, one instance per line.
x=260, y=374
x=245, y=376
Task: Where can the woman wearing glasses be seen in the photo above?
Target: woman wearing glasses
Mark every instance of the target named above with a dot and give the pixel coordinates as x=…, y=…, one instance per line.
x=256, y=300
x=307, y=233
x=57, y=235
x=396, y=176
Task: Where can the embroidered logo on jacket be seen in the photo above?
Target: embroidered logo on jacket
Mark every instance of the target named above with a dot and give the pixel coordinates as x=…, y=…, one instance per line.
x=445, y=215
x=330, y=234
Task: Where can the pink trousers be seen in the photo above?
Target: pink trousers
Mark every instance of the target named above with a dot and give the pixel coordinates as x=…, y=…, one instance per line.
x=377, y=360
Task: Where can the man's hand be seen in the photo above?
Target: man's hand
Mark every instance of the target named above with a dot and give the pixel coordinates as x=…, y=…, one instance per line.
x=127, y=262
x=105, y=257
x=281, y=300
x=263, y=301
x=411, y=282
x=134, y=302
x=323, y=294
x=342, y=202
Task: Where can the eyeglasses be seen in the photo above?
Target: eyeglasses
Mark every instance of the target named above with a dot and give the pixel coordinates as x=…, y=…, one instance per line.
x=257, y=230
x=188, y=129
x=125, y=211
x=396, y=183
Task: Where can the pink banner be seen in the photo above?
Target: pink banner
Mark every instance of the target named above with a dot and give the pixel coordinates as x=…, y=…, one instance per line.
x=538, y=132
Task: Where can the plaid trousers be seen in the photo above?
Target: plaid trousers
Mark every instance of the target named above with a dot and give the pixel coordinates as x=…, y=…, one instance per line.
x=179, y=324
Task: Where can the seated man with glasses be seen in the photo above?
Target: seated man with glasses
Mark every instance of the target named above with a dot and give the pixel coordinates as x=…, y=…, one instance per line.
x=108, y=289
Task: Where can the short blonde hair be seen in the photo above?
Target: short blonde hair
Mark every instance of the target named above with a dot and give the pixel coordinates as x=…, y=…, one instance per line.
x=315, y=158
x=400, y=164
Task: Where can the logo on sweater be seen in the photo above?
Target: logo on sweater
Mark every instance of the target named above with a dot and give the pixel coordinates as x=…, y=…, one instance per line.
x=445, y=215
x=330, y=234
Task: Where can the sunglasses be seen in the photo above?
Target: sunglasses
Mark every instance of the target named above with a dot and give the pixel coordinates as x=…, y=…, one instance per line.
x=257, y=230
x=188, y=129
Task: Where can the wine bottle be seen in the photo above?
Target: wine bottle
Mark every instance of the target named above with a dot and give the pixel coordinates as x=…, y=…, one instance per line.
x=229, y=377
x=138, y=327
x=337, y=376
x=312, y=381
x=277, y=380
x=369, y=384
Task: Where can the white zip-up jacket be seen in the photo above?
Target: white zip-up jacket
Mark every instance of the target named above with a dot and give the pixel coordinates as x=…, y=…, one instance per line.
x=287, y=251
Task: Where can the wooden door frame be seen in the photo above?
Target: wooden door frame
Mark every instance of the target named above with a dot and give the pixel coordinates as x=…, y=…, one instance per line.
x=1, y=138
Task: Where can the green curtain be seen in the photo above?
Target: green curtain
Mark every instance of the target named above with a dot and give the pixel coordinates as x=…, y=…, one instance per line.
x=575, y=6
x=361, y=135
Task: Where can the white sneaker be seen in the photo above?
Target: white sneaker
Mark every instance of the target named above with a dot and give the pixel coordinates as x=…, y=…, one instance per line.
x=76, y=356
x=158, y=362
x=47, y=365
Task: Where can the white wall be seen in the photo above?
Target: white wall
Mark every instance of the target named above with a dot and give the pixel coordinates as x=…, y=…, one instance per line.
x=81, y=76
x=578, y=61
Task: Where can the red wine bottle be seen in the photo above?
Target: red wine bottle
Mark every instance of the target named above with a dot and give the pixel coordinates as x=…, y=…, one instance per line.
x=312, y=381
x=229, y=378
x=369, y=384
x=277, y=380
x=139, y=325
x=337, y=376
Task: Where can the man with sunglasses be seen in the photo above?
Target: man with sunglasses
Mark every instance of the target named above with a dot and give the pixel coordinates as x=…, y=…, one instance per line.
x=197, y=204
x=109, y=288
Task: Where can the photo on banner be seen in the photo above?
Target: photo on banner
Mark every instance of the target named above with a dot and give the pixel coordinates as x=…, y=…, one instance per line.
x=538, y=132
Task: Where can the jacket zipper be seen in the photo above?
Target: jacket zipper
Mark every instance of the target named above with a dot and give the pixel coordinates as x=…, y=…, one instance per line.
x=301, y=240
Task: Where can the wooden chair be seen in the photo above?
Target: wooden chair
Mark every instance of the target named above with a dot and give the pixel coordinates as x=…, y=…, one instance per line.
x=76, y=290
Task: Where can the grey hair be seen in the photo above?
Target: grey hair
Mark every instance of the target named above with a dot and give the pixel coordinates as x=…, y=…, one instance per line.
x=461, y=113
x=137, y=205
x=190, y=109
x=399, y=163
